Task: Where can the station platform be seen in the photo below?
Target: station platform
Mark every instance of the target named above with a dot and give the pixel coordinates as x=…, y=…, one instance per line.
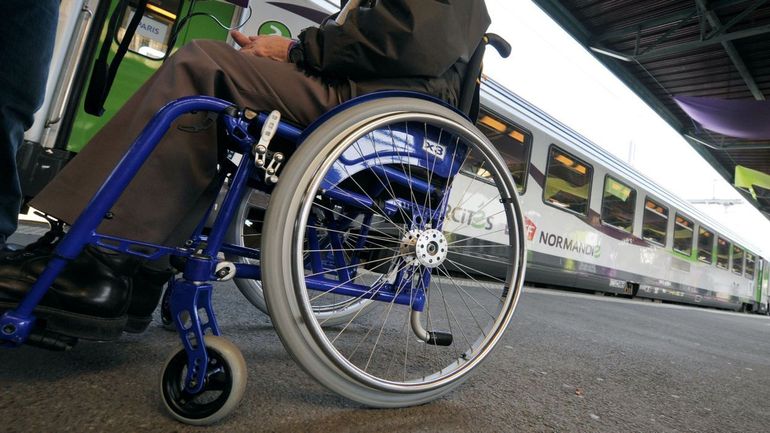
x=568, y=363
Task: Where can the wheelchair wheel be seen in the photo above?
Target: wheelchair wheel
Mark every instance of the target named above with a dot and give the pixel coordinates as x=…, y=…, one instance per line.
x=246, y=231
x=223, y=390
x=428, y=206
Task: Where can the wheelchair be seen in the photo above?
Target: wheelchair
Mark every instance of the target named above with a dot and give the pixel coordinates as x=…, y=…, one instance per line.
x=373, y=287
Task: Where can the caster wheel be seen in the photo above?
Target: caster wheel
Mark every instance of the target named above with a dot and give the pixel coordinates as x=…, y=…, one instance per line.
x=223, y=389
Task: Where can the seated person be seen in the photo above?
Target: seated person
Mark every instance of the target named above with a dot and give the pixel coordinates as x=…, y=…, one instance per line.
x=417, y=45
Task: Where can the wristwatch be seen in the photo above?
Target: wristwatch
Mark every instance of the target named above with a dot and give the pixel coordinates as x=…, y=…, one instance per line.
x=296, y=53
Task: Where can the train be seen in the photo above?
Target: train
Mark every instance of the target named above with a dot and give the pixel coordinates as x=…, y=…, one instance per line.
x=592, y=222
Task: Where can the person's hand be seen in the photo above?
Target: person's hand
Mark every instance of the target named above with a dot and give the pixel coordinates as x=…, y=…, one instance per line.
x=272, y=47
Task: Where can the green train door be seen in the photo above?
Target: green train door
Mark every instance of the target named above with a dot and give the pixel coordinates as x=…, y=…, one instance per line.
x=62, y=127
x=146, y=52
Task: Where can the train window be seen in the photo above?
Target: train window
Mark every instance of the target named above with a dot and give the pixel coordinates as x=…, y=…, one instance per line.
x=513, y=142
x=154, y=32
x=683, y=234
x=618, y=204
x=567, y=182
x=655, y=222
x=723, y=253
x=737, y=259
x=705, y=245
x=749, y=266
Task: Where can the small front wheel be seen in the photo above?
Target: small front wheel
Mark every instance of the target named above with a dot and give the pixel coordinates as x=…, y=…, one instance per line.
x=223, y=389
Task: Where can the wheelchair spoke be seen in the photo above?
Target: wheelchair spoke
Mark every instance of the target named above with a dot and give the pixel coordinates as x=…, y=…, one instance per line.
x=358, y=298
x=427, y=202
x=326, y=271
x=445, y=198
x=450, y=314
x=450, y=311
x=349, y=280
x=459, y=293
x=381, y=214
x=389, y=187
x=475, y=270
x=382, y=328
x=400, y=229
x=350, y=249
x=371, y=328
x=353, y=235
x=478, y=237
x=401, y=161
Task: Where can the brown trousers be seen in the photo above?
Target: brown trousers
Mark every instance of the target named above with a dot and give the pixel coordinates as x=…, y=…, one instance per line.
x=167, y=192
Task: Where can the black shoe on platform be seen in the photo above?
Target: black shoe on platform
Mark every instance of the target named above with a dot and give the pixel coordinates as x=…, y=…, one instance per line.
x=88, y=300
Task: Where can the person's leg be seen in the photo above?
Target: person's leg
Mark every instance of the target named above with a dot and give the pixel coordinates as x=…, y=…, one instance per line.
x=180, y=169
x=26, y=45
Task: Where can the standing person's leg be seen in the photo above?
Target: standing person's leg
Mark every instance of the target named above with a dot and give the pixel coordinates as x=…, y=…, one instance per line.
x=184, y=163
x=26, y=45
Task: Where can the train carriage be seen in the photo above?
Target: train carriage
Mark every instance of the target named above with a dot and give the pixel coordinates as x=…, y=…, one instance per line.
x=594, y=223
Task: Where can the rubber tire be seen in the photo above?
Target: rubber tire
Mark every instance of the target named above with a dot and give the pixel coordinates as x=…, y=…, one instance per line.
x=234, y=362
x=286, y=313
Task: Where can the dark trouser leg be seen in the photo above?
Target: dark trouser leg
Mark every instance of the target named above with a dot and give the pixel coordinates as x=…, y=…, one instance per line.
x=182, y=166
x=26, y=45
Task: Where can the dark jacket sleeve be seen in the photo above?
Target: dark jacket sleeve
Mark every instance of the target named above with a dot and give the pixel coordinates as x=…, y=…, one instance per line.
x=396, y=38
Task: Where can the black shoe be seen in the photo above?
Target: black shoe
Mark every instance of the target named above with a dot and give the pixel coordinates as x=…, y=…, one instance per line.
x=89, y=299
x=146, y=288
x=8, y=249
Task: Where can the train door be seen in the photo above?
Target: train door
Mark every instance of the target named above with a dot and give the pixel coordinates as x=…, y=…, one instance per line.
x=62, y=127
x=763, y=285
x=158, y=27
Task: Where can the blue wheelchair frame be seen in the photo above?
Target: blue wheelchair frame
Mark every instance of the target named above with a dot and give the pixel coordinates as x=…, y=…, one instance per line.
x=192, y=292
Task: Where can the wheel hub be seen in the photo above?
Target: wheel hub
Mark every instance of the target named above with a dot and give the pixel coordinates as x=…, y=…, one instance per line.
x=424, y=247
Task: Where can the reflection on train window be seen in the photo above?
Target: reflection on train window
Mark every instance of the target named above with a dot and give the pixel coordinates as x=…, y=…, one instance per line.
x=655, y=222
x=683, y=234
x=737, y=259
x=749, y=266
x=152, y=36
x=705, y=245
x=567, y=182
x=618, y=204
x=513, y=142
x=723, y=253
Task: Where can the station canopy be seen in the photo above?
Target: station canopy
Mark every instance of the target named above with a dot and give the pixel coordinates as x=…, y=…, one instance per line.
x=703, y=66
